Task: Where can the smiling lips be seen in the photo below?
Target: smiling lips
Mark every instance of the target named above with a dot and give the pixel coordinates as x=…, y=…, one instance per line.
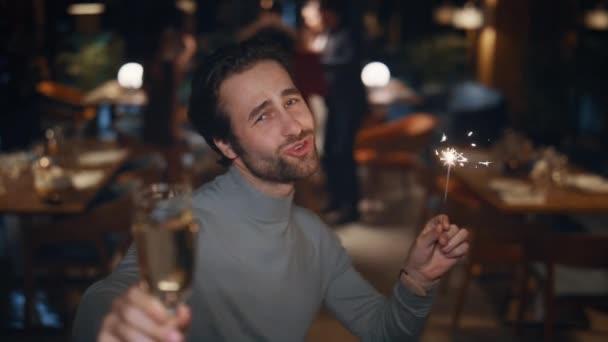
x=300, y=148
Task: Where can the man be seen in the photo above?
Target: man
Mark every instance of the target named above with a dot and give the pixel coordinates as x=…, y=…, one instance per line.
x=264, y=266
x=346, y=102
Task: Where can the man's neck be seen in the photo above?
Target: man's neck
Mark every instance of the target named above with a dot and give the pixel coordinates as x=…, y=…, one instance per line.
x=273, y=189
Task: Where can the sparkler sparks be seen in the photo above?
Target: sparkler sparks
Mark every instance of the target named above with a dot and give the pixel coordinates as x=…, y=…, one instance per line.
x=450, y=157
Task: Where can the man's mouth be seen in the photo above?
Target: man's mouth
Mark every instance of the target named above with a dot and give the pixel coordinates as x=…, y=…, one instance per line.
x=300, y=148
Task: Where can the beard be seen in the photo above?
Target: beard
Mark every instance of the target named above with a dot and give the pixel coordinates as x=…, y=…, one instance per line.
x=279, y=168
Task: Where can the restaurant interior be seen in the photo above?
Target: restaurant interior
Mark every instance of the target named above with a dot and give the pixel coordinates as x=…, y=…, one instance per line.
x=489, y=111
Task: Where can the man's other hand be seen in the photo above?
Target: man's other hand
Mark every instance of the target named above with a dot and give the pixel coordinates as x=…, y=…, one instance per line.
x=437, y=248
x=138, y=316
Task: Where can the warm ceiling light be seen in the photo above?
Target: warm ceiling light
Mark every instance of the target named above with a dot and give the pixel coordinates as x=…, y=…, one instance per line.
x=131, y=75
x=86, y=9
x=186, y=6
x=266, y=4
x=444, y=13
x=469, y=17
x=375, y=74
x=597, y=19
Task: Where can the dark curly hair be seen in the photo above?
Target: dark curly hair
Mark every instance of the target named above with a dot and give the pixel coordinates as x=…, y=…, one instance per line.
x=205, y=112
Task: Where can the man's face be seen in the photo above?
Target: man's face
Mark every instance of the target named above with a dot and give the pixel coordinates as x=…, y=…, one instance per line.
x=273, y=126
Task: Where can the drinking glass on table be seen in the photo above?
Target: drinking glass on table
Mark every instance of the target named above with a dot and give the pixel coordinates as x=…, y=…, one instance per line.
x=165, y=237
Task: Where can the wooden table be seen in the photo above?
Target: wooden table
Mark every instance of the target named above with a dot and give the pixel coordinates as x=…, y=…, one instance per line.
x=21, y=197
x=558, y=199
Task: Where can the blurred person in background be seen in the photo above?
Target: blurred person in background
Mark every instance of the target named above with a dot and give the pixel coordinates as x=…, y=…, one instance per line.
x=346, y=102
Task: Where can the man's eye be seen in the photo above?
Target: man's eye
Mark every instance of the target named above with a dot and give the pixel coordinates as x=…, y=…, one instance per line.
x=291, y=102
x=261, y=118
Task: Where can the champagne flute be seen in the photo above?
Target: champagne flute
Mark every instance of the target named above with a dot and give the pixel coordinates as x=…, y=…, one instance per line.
x=165, y=237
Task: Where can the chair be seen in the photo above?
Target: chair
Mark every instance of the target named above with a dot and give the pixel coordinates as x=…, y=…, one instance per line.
x=395, y=145
x=575, y=250
x=77, y=250
x=65, y=103
x=496, y=239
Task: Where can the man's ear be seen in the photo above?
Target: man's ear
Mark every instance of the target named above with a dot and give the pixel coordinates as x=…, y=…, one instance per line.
x=225, y=148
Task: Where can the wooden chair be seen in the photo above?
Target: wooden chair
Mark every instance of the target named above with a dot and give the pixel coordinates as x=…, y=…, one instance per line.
x=395, y=145
x=496, y=239
x=64, y=103
x=74, y=251
x=574, y=250
x=83, y=248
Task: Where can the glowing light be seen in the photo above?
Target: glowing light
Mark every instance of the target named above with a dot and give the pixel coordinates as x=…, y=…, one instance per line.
x=86, y=9
x=375, y=74
x=166, y=285
x=474, y=145
x=485, y=163
x=186, y=6
x=444, y=138
x=450, y=157
x=131, y=75
x=45, y=162
x=470, y=133
x=597, y=19
x=443, y=14
x=266, y=4
x=467, y=18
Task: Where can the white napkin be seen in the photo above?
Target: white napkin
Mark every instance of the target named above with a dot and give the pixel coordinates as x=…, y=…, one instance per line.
x=96, y=158
x=531, y=198
x=589, y=182
x=86, y=179
x=510, y=185
x=516, y=192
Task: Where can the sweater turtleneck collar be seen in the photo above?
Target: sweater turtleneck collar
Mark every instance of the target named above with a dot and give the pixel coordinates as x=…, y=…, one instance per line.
x=257, y=205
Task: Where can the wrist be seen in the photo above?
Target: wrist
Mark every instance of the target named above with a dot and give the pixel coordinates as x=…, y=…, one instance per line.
x=414, y=280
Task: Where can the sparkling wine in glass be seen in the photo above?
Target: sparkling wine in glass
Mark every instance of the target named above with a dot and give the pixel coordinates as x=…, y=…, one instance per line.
x=165, y=237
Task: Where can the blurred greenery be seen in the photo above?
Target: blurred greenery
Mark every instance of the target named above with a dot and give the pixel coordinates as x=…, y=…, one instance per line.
x=440, y=58
x=87, y=61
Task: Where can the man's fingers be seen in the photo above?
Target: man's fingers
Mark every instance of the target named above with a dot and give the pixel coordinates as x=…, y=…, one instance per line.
x=138, y=316
x=461, y=236
x=459, y=251
x=106, y=329
x=429, y=237
x=183, y=316
x=448, y=234
x=138, y=320
x=437, y=221
x=150, y=305
x=124, y=332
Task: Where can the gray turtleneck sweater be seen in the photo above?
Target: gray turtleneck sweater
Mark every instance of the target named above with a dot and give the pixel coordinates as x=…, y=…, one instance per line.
x=264, y=268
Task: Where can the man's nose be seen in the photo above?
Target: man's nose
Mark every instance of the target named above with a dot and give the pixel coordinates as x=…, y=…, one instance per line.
x=291, y=126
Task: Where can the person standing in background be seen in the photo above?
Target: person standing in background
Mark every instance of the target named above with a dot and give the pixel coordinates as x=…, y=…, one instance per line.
x=346, y=104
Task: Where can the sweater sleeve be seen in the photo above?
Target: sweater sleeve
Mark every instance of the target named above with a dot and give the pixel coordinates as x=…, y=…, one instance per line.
x=362, y=309
x=97, y=300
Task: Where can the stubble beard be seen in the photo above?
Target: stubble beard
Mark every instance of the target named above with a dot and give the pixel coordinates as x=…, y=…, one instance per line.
x=280, y=168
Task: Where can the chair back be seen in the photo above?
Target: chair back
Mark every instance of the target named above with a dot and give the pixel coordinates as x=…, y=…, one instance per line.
x=411, y=133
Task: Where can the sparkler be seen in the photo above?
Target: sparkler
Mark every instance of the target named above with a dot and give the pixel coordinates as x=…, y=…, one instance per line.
x=450, y=157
